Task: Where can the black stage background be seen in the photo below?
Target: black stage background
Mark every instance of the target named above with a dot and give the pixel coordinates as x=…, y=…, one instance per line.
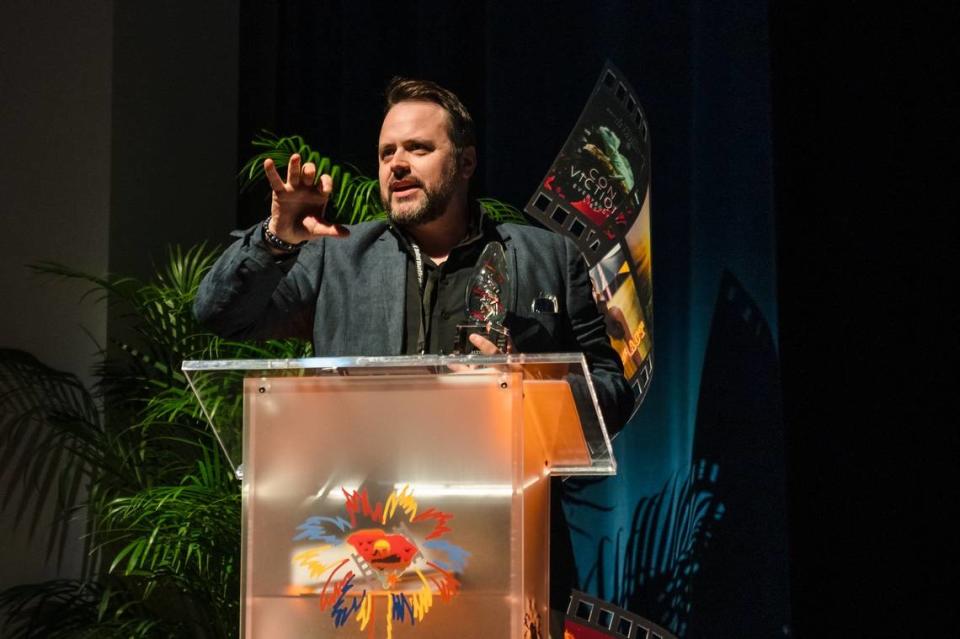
x=865, y=130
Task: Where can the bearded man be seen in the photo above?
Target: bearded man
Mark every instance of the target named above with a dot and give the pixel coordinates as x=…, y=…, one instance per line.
x=398, y=286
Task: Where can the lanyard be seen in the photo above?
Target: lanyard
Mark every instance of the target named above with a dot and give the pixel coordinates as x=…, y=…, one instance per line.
x=418, y=259
x=425, y=303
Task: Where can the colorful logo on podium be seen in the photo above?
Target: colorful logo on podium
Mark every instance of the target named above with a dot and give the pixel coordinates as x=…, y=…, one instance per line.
x=389, y=560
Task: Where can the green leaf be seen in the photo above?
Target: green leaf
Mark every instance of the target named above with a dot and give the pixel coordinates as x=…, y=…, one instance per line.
x=346, y=207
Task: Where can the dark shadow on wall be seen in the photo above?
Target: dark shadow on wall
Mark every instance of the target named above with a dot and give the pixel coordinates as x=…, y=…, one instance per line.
x=707, y=556
x=655, y=558
x=742, y=588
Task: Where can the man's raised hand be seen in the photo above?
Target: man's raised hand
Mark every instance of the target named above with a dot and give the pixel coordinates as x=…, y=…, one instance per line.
x=296, y=212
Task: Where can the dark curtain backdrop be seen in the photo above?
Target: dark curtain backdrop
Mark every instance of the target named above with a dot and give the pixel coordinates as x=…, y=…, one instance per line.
x=865, y=136
x=691, y=533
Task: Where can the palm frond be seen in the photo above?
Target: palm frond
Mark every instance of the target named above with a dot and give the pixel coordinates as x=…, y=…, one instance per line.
x=72, y=609
x=120, y=288
x=356, y=198
x=184, y=534
x=45, y=415
x=500, y=211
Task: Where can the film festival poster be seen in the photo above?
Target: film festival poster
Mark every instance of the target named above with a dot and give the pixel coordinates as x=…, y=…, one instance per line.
x=597, y=192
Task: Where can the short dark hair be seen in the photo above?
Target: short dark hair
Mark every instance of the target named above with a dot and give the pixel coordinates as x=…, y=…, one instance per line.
x=460, y=127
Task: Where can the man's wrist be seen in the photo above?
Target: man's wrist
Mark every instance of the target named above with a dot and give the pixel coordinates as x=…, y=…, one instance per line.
x=276, y=244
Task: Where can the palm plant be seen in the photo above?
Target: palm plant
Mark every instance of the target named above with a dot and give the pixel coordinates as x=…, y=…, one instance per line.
x=133, y=457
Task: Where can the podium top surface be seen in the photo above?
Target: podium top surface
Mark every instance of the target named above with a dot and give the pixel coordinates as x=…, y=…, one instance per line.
x=398, y=362
x=558, y=403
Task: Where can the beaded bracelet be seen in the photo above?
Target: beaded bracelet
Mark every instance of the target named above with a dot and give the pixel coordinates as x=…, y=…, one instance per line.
x=275, y=242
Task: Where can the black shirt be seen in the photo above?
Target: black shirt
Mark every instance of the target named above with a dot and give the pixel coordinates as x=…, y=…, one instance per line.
x=436, y=306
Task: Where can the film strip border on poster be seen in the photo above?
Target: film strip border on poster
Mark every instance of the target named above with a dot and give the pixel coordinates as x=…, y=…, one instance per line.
x=618, y=257
x=591, y=618
x=596, y=192
x=593, y=241
x=641, y=379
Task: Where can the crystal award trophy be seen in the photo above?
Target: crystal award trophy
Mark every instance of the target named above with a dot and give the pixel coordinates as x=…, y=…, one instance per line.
x=485, y=306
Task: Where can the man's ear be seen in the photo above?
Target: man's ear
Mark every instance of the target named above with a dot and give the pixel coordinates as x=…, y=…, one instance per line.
x=468, y=162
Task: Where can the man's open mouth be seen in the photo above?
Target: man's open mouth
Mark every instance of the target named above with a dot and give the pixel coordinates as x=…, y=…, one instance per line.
x=404, y=187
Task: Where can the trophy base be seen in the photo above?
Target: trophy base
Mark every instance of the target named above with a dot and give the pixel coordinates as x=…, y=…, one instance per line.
x=499, y=335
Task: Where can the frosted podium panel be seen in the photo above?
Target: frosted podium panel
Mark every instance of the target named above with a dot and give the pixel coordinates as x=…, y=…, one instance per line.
x=371, y=521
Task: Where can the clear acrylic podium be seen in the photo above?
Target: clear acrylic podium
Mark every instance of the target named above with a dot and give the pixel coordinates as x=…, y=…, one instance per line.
x=400, y=496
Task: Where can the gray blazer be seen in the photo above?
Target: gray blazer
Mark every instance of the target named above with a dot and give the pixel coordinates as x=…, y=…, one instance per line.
x=347, y=294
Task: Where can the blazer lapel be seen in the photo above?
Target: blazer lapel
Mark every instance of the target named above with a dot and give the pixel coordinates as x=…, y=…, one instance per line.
x=390, y=266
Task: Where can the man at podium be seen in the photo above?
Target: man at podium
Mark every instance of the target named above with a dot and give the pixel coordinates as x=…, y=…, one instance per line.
x=400, y=286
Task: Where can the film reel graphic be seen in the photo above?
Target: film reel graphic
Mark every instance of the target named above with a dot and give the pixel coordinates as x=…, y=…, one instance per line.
x=591, y=618
x=595, y=188
x=597, y=193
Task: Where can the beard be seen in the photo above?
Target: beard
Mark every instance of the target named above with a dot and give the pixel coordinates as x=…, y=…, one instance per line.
x=432, y=205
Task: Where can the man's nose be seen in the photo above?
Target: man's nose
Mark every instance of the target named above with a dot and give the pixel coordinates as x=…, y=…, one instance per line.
x=399, y=163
